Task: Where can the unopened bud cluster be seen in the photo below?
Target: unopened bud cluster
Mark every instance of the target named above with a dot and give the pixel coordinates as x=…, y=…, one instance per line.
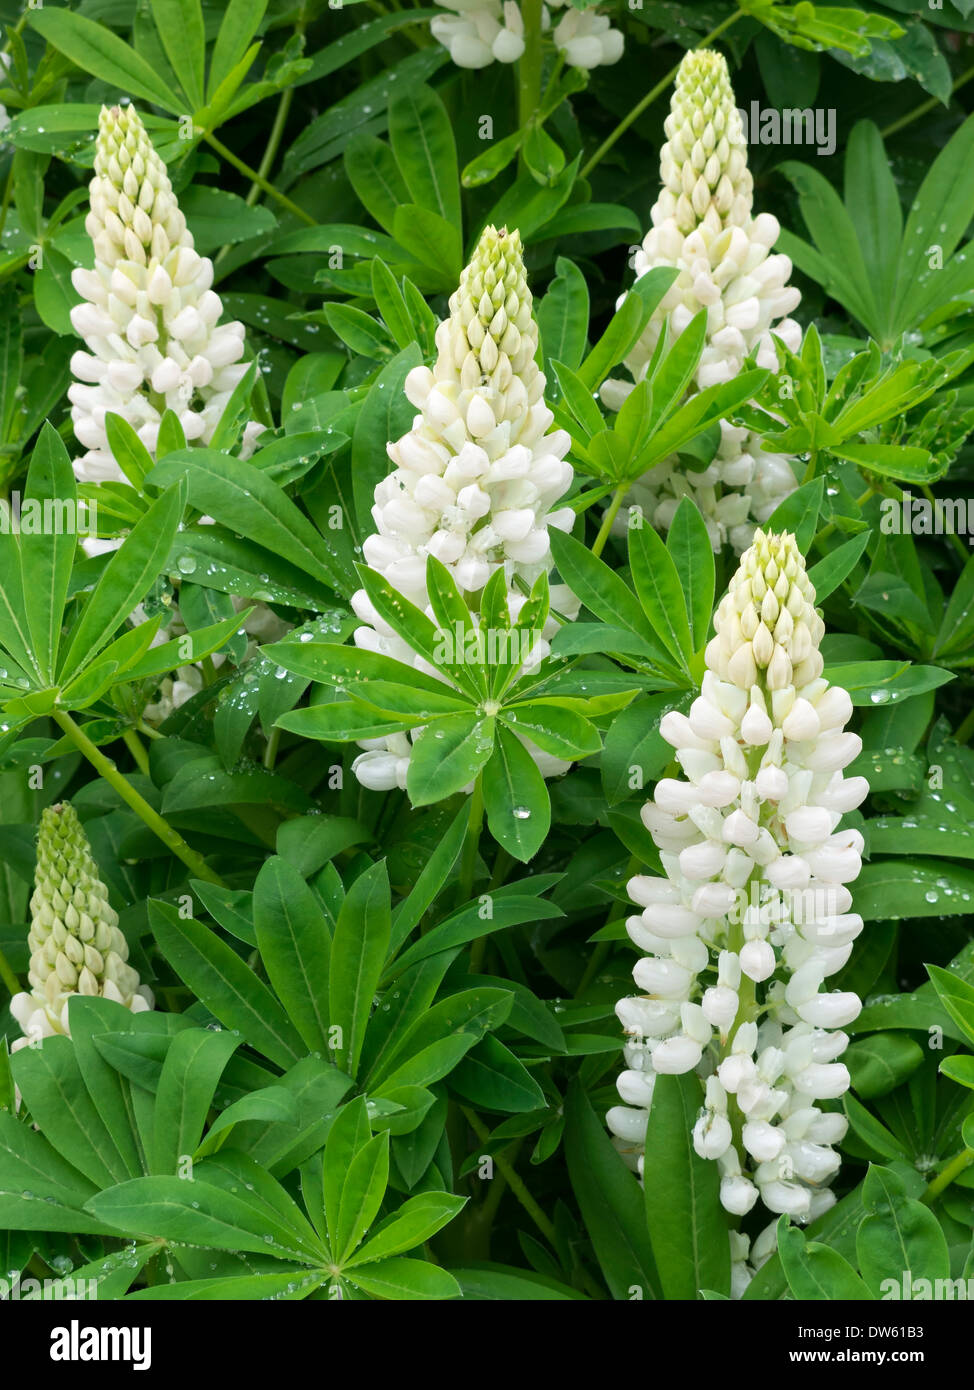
x=479, y=32
x=150, y=317
x=75, y=943
x=753, y=915
x=478, y=473
x=702, y=224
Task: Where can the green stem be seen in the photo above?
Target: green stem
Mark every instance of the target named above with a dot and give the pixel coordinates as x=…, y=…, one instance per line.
x=826, y=531
x=8, y=977
x=170, y=837
x=468, y=861
x=529, y=67
x=925, y=106
x=650, y=97
x=811, y=467
x=965, y=729
x=273, y=144
x=937, y=508
x=953, y=1170
x=134, y=744
x=609, y=518
x=257, y=178
x=514, y=1182
x=270, y=752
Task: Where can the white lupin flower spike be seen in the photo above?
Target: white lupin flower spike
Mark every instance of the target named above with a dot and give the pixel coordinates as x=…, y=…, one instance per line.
x=75, y=944
x=150, y=317
x=755, y=888
x=703, y=225
x=477, y=475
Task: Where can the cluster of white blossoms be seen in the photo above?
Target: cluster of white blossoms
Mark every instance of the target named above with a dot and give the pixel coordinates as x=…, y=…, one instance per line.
x=704, y=227
x=150, y=317
x=479, y=32
x=75, y=944
x=476, y=476
x=753, y=915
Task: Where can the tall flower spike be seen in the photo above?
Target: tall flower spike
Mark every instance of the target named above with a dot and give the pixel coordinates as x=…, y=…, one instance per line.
x=75, y=944
x=756, y=869
x=702, y=224
x=476, y=476
x=150, y=319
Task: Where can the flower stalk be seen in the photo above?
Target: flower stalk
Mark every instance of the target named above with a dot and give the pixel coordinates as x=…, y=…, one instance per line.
x=753, y=914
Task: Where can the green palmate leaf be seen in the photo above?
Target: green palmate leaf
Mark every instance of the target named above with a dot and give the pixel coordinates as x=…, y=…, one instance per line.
x=689, y=547
x=241, y=20
x=940, y=215
x=602, y=590
x=683, y=1211
x=226, y=985
x=128, y=451
x=563, y=315
x=437, y=1040
x=125, y=581
x=658, y=586
x=422, y=141
x=448, y=755
x=885, y=682
x=516, y=798
x=881, y=1062
x=50, y=1080
x=873, y=201
x=611, y=1203
x=386, y=414
x=635, y=751
x=829, y=573
x=40, y=1190
x=365, y=1183
x=190, y=1074
x=295, y=945
x=896, y=888
x=957, y=997
x=108, y=1090
x=430, y=239
x=815, y=1272
x=358, y=954
x=47, y=552
x=898, y=1237
x=506, y=910
x=180, y=26
x=579, y=399
x=247, y=501
x=201, y=1214
x=416, y=1221
x=344, y=722
x=405, y=1279
x=431, y=881
x=554, y=729
x=98, y=51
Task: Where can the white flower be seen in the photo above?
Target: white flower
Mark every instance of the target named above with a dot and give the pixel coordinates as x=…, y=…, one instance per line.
x=479, y=32
x=476, y=477
x=774, y=921
x=150, y=317
x=702, y=224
